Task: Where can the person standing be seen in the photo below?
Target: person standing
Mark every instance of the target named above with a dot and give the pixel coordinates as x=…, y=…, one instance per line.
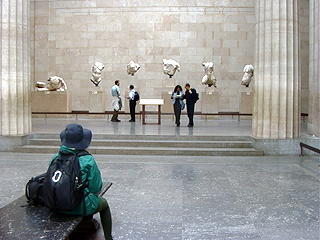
x=132, y=103
x=178, y=103
x=116, y=101
x=191, y=97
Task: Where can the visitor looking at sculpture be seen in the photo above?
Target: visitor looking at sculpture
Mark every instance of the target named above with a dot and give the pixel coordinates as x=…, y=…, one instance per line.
x=116, y=101
x=178, y=103
x=132, y=103
x=191, y=97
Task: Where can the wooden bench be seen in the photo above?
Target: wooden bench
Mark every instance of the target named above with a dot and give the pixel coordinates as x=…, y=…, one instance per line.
x=21, y=221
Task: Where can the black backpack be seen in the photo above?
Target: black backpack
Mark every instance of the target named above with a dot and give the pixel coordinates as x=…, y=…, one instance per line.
x=63, y=187
x=34, y=190
x=197, y=95
x=136, y=96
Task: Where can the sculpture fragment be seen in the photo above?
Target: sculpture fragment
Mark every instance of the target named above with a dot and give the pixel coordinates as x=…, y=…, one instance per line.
x=209, y=79
x=96, y=73
x=54, y=83
x=132, y=68
x=248, y=74
x=170, y=67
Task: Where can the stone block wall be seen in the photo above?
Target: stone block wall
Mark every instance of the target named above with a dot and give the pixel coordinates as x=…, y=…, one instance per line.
x=304, y=54
x=69, y=36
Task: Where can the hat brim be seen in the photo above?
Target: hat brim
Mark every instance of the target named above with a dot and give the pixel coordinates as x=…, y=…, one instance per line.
x=83, y=144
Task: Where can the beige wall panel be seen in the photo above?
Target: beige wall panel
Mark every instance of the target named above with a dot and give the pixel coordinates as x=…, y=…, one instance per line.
x=51, y=101
x=71, y=35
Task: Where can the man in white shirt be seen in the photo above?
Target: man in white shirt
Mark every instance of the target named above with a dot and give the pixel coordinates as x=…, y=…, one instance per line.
x=116, y=101
x=132, y=103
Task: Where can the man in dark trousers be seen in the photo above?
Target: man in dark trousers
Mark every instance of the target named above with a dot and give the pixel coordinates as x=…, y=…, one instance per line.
x=132, y=103
x=191, y=97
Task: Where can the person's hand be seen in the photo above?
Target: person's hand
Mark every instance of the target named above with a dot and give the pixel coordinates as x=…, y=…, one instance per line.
x=190, y=91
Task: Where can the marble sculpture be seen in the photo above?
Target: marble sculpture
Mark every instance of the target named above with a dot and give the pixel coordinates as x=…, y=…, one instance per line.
x=132, y=68
x=96, y=73
x=54, y=83
x=248, y=74
x=209, y=79
x=170, y=67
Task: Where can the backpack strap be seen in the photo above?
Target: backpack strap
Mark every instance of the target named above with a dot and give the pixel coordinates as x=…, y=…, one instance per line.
x=82, y=153
x=85, y=184
x=79, y=153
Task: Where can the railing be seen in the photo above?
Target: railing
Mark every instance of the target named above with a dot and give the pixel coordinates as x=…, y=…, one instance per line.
x=78, y=113
x=140, y=113
x=150, y=113
x=303, y=145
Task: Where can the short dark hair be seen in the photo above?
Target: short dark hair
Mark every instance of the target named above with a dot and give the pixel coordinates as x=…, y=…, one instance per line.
x=131, y=87
x=116, y=82
x=187, y=85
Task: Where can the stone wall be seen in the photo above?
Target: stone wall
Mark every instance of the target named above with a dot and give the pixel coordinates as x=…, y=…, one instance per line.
x=69, y=36
x=304, y=54
x=15, y=109
x=314, y=84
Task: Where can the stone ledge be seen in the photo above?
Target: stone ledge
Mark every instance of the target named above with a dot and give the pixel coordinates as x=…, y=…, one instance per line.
x=8, y=143
x=286, y=146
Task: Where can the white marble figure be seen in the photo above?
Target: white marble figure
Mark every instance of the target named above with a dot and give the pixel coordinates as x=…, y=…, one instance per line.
x=132, y=68
x=54, y=83
x=170, y=67
x=209, y=79
x=96, y=73
x=248, y=74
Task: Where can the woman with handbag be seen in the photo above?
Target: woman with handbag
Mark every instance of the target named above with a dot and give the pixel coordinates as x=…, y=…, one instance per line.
x=178, y=103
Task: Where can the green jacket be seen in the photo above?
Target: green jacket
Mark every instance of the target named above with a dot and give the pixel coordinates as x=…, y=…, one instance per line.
x=89, y=171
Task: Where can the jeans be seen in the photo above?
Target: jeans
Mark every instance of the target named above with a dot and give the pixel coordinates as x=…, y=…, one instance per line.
x=190, y=111
x=133, y=109
x=177, y=111
x=115, y=115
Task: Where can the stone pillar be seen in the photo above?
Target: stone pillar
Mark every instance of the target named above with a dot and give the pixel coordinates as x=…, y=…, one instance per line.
x=276, y=110
x=15, y=110
x=314, y=72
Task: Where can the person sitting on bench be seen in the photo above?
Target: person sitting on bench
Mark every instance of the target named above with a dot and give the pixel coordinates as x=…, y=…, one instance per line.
x=75, y=138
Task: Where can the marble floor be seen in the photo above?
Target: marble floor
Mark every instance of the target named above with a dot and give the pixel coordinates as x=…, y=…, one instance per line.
x=164, y=197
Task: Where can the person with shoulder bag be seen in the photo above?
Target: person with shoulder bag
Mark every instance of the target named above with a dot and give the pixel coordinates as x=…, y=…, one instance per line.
x=178, y=103
x=133, y=97
x=191, y=97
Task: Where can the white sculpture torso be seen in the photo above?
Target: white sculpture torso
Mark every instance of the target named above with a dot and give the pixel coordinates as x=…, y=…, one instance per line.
x=96, y=73
x=170, y=67
x=209, y=79
x=54, y=83
x=132, y=68
x=248, y=74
